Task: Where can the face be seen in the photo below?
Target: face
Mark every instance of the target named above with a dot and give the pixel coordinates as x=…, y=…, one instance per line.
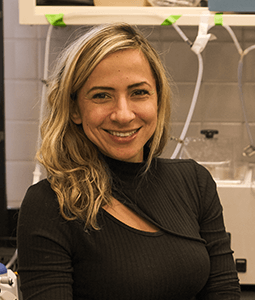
x=117, y=106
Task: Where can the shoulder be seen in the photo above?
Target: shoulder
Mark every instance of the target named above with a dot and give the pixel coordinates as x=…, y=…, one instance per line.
x=41, y=226
x=186, y=174
x=41, y=188
x=181, y=167
x=40, y=216
x=39, y=200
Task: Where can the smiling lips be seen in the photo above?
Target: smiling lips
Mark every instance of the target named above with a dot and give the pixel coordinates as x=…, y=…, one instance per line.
x=122, y=134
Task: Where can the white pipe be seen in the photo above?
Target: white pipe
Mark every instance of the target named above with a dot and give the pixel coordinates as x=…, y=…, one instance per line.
x=240, y=71
x=37, y=172
x=192, y=106
x=12, y=260
x=195, y=95
x=246, y=51
x=181, y=33
x=233, y=36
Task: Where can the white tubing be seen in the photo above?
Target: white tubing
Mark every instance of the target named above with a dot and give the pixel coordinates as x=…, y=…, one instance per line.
x=12, y=260
x=37, y=172
x=195, y=95
x=181, y=33
x=233, y=36
x=240, y=87
x=246, y=51
x=240, y=71
x=192, y=106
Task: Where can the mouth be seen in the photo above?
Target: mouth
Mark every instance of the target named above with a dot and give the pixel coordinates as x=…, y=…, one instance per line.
x=122, y=134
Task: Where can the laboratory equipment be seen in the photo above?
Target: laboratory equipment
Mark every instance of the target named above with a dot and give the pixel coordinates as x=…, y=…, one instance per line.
x=8, y=284
x=120, y=2
x=186, y=3
x=236, y=188
x=215, y=153
x=231, y=5
x=64, y=2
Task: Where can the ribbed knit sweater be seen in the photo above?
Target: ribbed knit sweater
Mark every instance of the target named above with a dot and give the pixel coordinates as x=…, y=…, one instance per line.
x=188, y=258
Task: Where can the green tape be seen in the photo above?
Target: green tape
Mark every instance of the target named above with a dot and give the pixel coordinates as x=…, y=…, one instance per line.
x=171, y=20
x=56, y=20
x=218, y=19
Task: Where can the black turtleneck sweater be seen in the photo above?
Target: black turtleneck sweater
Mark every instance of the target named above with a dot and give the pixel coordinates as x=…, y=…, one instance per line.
x=189, y=258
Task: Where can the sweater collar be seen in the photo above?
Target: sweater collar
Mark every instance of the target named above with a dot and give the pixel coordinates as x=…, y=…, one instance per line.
x=126, y=171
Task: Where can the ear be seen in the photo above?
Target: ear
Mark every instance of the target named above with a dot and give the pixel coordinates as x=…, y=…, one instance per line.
x=76, y=116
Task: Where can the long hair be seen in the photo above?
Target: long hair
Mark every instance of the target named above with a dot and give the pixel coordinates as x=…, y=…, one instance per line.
x=74, y=168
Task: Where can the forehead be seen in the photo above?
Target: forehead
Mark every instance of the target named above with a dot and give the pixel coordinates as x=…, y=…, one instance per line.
x=124, y=56
x=129, y=62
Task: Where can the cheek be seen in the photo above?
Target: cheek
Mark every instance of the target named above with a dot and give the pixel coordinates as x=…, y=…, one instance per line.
x=92, y=118
x=153, y=117
x=149, y=113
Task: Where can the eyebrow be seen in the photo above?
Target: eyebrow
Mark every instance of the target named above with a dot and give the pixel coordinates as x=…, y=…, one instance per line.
x=112, y=89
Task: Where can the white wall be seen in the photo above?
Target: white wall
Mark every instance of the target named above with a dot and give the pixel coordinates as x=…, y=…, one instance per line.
x=218, y=105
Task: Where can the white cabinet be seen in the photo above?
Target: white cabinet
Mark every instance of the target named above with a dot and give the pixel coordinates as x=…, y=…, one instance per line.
x=238, y=201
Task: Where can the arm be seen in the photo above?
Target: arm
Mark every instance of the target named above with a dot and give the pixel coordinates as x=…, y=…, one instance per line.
x=223, y=283
x=44, y=251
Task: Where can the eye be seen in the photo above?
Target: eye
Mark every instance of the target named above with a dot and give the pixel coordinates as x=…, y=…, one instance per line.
x=102, y=96
x=141, y=92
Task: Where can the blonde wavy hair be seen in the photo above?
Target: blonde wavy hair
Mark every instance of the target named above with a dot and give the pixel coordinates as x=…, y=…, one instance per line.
x=76, y=173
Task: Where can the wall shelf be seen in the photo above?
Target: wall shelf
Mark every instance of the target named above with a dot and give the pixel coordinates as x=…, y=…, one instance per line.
x=30, y=14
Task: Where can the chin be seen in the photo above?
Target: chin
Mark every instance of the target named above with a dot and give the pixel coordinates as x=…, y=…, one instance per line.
x=128, y=158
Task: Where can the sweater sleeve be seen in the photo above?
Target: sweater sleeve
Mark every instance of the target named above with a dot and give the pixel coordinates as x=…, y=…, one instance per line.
x=44, y=241
x=223, y=282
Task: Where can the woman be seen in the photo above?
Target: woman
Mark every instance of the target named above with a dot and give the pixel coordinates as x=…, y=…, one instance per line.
x=112, y=220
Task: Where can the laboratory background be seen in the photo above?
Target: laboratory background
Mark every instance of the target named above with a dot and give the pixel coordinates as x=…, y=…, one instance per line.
x=221, y=100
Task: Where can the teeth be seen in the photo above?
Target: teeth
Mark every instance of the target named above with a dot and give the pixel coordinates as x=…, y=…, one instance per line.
x=122, y=134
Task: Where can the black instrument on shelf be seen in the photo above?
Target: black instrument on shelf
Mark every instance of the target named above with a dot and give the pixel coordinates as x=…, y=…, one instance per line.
x=64, y=2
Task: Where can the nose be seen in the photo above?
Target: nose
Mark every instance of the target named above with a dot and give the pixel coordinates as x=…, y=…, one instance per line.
x=122, y=111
